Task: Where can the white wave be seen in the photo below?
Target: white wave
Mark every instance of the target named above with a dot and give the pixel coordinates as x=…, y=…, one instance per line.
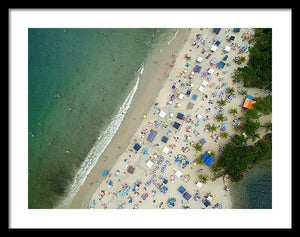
x=100, y=145
x=173, y=37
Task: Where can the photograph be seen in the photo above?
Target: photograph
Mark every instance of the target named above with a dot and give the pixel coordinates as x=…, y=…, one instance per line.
x=150, y=118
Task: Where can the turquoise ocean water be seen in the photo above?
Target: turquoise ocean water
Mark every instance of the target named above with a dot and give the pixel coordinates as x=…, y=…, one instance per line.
x=80, y=80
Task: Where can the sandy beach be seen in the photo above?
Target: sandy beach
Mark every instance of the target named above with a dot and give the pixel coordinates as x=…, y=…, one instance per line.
x=150, y=177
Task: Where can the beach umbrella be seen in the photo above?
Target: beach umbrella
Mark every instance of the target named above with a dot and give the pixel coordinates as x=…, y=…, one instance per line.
x=178, y=105
x=92, y=205
x=225, y=125
x=173, y=87
x=205, y=48
x=110, y=183
x=104, y=173
x=182, y=84
x=144, y=116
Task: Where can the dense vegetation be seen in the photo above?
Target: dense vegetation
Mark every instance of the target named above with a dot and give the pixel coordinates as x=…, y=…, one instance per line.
x=258, y=72
x=238, y=158
x=264, y=105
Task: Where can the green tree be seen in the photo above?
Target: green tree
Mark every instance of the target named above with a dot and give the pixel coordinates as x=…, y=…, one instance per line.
x=251, y=114
x=224, y=134
x=238, y=140
x=244, y=92
x=203, y=178
x=222, y=102
x=249, y=127
x=264, y=105
x=258, y=72
x=212, y=128
x=212, y=154
x=238, y=158
x=199, y=161
x=233, y=111
x=220, y=117
x=230, y=91
x=198, y=147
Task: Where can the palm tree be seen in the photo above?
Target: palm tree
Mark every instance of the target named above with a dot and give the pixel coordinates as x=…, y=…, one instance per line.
x=233, y=111
x=241, y=60
x=222, y=102
x=203, y=178
x=220, y=117
x=199, y=161
x=198, y=147
x=212, y=128
x=244, y=92
x=230, y=91
x=212, y=154
x=224, y=134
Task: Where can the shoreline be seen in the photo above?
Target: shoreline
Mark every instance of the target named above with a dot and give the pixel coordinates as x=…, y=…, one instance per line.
x=132, y=120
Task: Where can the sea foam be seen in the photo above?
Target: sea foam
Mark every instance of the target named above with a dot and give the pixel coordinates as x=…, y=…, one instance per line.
x=173, y=37
x=100, y=145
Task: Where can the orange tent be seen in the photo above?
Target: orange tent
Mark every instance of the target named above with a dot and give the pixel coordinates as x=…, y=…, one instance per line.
x=248, y=104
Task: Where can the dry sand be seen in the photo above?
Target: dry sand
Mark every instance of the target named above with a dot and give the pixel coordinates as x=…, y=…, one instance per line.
x=113, y=197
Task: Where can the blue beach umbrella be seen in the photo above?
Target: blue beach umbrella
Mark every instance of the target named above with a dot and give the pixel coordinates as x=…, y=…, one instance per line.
x=104, y=173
